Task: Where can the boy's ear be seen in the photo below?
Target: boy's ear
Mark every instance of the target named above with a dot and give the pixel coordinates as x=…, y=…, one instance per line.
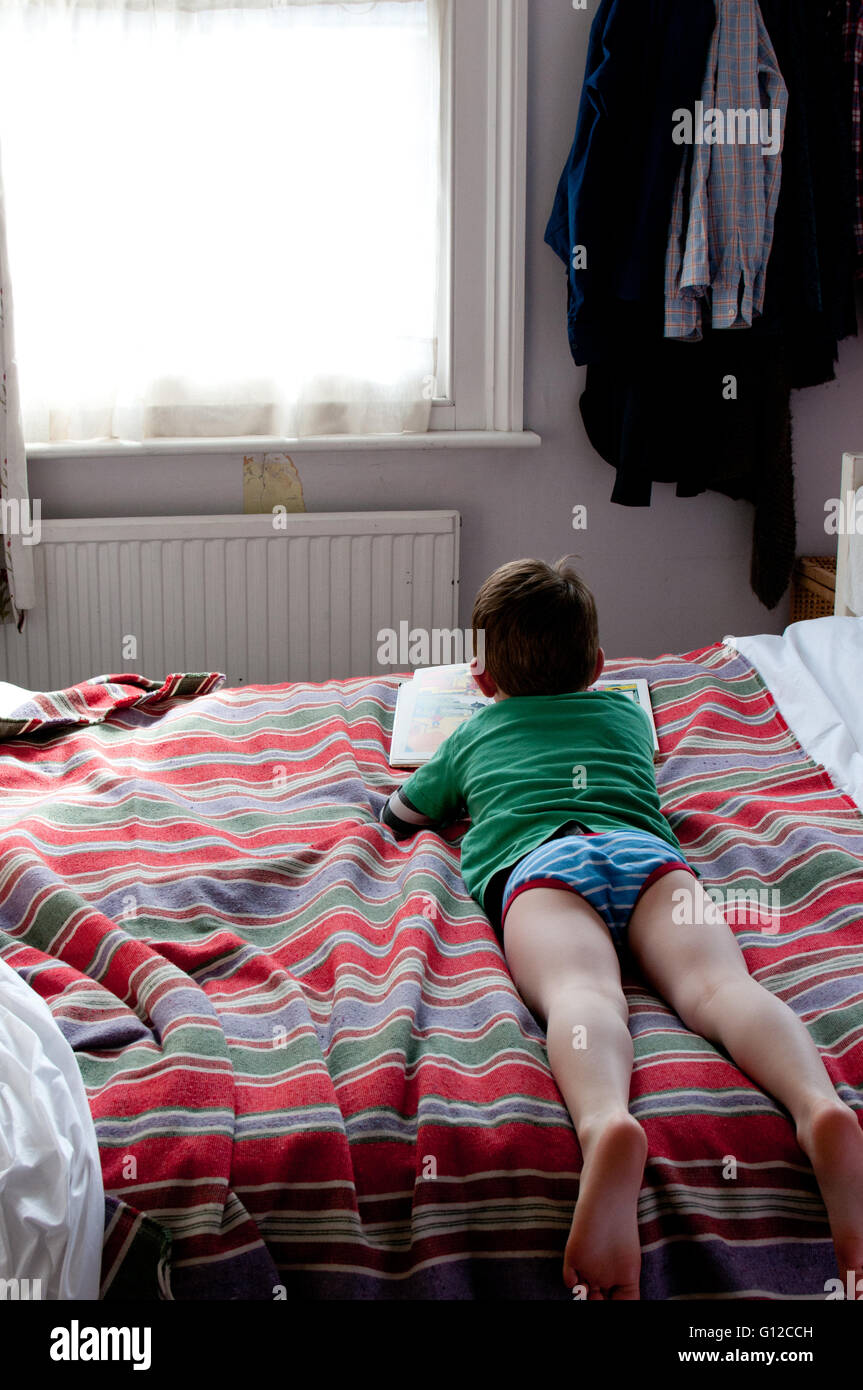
x=600, y=666
x=483, y=680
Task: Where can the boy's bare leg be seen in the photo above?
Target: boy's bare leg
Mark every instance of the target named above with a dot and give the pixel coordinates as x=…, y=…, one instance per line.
x=565, y=968
x=700, y=971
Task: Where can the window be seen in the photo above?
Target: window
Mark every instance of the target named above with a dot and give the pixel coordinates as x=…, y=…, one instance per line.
x=255, y=220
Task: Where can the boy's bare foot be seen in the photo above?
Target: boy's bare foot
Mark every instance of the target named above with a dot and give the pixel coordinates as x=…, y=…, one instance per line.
x=833, y=1141
x=603, y=1252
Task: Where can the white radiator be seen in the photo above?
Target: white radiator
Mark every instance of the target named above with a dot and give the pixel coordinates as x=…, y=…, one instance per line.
x=232, y=594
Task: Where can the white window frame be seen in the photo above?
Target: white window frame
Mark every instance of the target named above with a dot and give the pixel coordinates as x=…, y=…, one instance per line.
x=487, y=174
x=481, y=356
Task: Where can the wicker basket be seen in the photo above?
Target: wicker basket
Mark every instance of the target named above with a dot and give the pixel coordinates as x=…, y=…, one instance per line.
x=813, y=588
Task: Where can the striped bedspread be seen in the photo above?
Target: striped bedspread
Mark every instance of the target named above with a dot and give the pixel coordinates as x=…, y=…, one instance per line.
x=310, y=1074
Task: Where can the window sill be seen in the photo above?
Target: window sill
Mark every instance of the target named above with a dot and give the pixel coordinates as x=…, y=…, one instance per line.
x=260, y=444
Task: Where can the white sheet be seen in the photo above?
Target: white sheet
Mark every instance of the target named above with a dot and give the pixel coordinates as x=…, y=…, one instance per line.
x=52, y=1204
x=815, y=673
x=11, y=697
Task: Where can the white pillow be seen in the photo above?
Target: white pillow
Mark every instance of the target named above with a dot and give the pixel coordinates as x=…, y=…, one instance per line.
x=11, y=698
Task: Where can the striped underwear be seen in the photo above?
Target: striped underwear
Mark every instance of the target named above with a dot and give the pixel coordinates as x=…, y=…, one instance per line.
x=609, y=869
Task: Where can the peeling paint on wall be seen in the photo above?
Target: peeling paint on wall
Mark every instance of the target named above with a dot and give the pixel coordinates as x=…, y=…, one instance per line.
x=271, y=480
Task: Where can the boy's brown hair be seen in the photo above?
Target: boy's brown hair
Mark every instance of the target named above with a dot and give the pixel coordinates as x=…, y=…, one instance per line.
x=538, y=628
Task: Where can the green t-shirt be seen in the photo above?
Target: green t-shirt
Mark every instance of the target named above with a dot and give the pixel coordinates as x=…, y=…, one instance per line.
x=525, y=766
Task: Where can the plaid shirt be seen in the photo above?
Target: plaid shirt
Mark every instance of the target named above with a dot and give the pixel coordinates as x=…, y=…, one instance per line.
x=853, y=32
x=731, y=189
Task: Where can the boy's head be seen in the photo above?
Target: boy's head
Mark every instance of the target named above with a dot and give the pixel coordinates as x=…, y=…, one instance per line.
x=539, y=630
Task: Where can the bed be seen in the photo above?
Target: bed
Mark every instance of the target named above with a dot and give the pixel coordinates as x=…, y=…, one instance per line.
x=308, y=1070
x=278, y=1055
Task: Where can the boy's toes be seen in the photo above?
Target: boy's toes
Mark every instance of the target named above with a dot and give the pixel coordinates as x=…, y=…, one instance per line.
x=849, y=1257
x=593, y=1293
x=578, y=1286
x=626, y=1291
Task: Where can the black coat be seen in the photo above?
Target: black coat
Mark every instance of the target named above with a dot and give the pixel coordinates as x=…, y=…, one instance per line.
x=715, y=414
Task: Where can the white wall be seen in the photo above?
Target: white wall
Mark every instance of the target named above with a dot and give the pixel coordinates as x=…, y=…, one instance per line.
x=669, y=579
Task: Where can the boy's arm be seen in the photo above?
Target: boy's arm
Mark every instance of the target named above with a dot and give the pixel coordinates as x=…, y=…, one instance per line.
x=430, y=798
x=402, y=818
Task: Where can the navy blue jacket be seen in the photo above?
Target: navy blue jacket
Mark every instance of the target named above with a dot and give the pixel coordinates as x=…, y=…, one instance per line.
x=646, y=59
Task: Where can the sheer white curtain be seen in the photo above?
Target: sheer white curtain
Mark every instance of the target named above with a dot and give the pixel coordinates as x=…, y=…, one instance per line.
x=223, y=219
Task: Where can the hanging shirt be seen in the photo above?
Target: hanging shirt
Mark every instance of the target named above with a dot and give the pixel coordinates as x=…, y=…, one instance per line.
x=729, y=180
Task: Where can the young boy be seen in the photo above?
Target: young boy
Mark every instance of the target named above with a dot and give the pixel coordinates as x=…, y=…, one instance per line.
x=571, y=858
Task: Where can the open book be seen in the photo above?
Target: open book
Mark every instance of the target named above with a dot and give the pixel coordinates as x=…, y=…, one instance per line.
x=432, y=705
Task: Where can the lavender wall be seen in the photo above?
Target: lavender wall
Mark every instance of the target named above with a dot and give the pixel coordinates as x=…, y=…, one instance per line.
x=669, y=579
